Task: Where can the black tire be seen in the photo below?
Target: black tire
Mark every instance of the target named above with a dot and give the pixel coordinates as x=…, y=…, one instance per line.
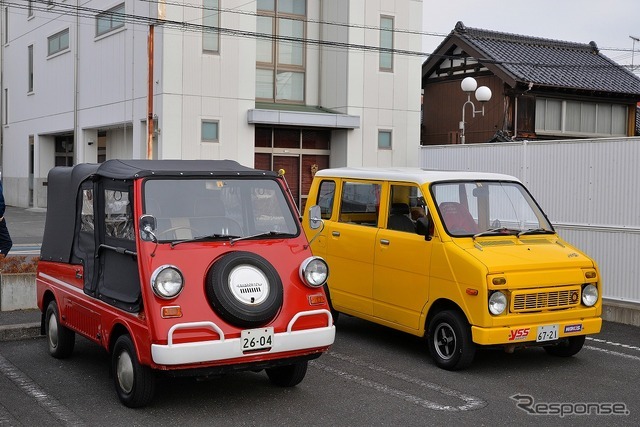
x=235, y=304
x=60, y=339
x=135, y=383
x=450, y=342
x=287, y=376
x=566, y=348
x=335, y=314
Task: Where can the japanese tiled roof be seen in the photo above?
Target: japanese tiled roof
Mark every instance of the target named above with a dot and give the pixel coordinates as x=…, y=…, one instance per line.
x=549, y=62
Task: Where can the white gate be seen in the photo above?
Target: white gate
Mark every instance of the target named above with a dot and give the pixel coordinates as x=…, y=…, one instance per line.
x=589, y=188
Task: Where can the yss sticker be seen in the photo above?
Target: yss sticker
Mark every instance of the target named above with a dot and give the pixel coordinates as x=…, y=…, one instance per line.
x=518, y=334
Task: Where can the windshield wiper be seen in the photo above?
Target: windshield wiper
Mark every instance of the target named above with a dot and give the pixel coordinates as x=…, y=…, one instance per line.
x=536, y=231
x=206, y=237
x=498, y=230
x=264, y=234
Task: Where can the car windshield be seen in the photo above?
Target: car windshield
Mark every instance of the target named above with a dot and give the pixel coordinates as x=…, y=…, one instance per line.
x=488, y=208
x=217, y=208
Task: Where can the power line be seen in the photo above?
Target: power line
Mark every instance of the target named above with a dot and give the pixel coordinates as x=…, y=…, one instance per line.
x=87, y=12
x=297, y=18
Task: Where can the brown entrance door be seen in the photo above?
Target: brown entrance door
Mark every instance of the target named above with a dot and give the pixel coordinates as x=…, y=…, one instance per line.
x=291, y=166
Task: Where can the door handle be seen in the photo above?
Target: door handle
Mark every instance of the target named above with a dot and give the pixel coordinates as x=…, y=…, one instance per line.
x=384, y=242
x=335, y=233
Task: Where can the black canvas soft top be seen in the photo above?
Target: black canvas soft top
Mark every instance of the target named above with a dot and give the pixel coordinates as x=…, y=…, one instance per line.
x=131, y=169
x=63, y=183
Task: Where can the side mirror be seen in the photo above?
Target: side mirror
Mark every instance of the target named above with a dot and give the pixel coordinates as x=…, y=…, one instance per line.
x=147, y=225
x=423, y=225
x=315, y=217
x=315, y=222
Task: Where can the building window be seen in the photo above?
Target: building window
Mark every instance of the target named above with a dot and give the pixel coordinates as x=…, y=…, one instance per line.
x=211, y=22
x=30, y=9
x=386, y=43
x=64, y=150
x=210, y=131
x=110, y=20
x=384, y=139
x=576, y=118
x=58, y=42
x=280, y=75
x=30, y=61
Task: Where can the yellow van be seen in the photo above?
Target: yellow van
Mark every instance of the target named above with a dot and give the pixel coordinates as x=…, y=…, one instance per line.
x=464, y=259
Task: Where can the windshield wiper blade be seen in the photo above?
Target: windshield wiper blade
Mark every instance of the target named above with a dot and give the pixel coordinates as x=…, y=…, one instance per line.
x=500, y=230
x=206, y=237
x=536, y=231
x=264, y=234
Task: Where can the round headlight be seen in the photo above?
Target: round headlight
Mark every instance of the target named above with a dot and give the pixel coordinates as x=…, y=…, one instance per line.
x=167, y=282
x=314, y=272
x=497, y=303
x=589, y=295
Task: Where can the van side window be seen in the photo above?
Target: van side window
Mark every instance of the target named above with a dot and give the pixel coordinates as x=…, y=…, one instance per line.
x=326, y=196
x=117, y=216
x=360, y=203
x=406, y=205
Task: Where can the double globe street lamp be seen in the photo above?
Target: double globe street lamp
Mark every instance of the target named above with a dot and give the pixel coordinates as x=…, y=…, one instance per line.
x=483, y=94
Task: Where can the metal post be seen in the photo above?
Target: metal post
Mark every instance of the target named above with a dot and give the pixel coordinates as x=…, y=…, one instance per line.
x=150, y=96
x=633, y=51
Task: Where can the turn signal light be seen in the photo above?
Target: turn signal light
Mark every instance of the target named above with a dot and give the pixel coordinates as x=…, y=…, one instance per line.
x=472, y=292
x=171, y=311
x=590, y=274
x=317, y=299
x=499, y=281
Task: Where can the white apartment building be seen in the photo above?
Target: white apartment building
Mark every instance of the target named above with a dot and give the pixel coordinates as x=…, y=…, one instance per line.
x=294, y=84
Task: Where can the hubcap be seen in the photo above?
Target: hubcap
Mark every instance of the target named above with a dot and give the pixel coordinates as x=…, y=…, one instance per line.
x=53, y=331
x=444, y=340
x=124, y=372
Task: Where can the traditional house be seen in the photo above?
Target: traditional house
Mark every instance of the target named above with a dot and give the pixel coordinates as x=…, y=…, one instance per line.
x=540, y=89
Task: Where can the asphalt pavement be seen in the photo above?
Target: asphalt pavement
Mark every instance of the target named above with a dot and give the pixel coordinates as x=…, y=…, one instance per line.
x=26, y=227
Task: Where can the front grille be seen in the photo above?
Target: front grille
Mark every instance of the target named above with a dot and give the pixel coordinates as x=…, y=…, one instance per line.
x=527, y=300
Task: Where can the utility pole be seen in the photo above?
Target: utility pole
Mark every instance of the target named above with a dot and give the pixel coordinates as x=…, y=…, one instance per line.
x=150, y=123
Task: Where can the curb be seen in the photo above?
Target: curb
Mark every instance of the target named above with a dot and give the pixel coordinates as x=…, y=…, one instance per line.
x=20, y=331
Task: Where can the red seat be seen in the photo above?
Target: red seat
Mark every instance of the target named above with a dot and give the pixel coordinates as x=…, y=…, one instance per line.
x=457, y=218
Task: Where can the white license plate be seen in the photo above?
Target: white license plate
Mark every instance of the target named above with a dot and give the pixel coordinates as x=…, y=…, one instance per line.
x=547, y=333
x=256, y=339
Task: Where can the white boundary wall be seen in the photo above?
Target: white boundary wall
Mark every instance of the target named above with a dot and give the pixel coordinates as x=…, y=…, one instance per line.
x=589, y=189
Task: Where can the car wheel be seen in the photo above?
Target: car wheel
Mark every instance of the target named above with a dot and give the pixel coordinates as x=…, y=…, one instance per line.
x=449, y=340
x=244, y=289
x=60, y=339
x=566, y=348
x=135, y=383
x=287, y=376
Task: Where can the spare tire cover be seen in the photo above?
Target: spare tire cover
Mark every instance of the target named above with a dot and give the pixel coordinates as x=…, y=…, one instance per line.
x=244, y=289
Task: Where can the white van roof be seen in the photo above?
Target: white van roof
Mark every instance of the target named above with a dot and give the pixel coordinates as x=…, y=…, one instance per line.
x=417, y=175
